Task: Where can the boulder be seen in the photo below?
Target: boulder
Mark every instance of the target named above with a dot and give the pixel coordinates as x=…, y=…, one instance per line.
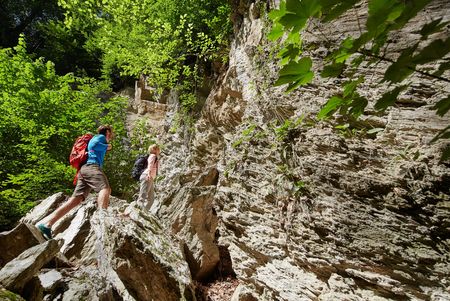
x=16, y=273
x=44, y=208
x=191, y=218
x=19, y=239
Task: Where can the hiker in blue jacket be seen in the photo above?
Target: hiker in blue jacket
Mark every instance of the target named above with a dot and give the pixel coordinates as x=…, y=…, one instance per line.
x=90, y=177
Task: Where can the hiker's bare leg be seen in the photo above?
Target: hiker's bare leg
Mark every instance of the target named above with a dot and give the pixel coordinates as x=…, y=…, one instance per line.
x=103, y=198
x=71, y=203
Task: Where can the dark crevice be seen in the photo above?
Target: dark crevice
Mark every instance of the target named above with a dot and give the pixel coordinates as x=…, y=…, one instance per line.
x=223, y=272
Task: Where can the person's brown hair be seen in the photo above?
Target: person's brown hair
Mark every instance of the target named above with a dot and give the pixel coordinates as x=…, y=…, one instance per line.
x=103, y=129
x=152, y=149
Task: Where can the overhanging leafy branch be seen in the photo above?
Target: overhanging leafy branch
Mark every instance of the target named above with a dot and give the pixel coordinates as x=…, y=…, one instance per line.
x=383, y=18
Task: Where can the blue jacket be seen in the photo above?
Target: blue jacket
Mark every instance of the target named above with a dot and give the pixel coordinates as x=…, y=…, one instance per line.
x=97, y=149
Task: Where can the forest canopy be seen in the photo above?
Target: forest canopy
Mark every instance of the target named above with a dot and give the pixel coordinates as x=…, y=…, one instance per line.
x=61, y=63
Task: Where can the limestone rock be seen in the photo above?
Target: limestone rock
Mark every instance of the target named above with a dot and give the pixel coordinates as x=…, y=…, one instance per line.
x=19, y=239
x=191, y=218
x=308, y=211
x=50, y=279
x=107, y=257
x=44, y=208
x=16, y=273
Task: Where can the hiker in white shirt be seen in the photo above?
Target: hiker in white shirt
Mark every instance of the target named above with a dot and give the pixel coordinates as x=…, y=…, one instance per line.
x=148, y=176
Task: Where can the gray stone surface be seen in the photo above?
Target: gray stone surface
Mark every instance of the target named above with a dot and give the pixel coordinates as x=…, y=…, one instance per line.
x=316, y=213
x=16, y=273
x=19, y=239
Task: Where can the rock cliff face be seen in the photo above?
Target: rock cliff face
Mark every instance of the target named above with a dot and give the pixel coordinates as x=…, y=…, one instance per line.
x=307, y=211
x=260, y=191
x=95, y=255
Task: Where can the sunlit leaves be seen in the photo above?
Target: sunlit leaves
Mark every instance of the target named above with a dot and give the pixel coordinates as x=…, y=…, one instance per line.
x=380, y=12
x=289, y=53
x=296, y=74
x=427, y=56
x=357, y=106
x=350, y=87
x=331, y=106
x=276, y=14
x=375, y=130
x=155, y=37
x=344, y=51
x=298, y=12
x=407, y=62
x=276, y=32
x=412, y=7
x=41, y=115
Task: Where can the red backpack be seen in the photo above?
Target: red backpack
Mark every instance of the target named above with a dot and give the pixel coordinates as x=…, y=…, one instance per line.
x=79, y=154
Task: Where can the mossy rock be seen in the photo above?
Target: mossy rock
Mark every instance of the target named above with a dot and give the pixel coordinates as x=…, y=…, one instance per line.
x=6, y=295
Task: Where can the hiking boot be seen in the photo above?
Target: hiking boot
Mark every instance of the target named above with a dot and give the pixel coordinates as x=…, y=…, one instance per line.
x=46, y=231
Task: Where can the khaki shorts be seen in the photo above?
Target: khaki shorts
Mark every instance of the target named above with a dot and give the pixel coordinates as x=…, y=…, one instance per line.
x=90, y=177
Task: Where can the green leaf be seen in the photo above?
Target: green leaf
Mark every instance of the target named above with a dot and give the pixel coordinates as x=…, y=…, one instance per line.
x=410, y=11
x=278, y=13
x=290, y=21
x=347, y=43
x=303, y=80
x=288, y=54
x=294, y=38
x=374, y=130
x=432, y=27
x=303, y=8
x=443, y=134
x=357, y=106
x=296, y=74
x=350, y=87
x=358, y=60
x=442, y=106
x=333, y=70
x=402, y=68
x=388, y=98
x=381, y=11
x=361, y=41
x=434, y=51
x=296, y=68
x=343, y=126
x=378, y=43
x=331, y=106
x=276, y=32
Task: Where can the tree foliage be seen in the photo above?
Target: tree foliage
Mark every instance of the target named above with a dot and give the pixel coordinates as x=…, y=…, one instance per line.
x=23, y=17
x=42, y=114
x=40, y=22
x=166, y=40
x=428, y=56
